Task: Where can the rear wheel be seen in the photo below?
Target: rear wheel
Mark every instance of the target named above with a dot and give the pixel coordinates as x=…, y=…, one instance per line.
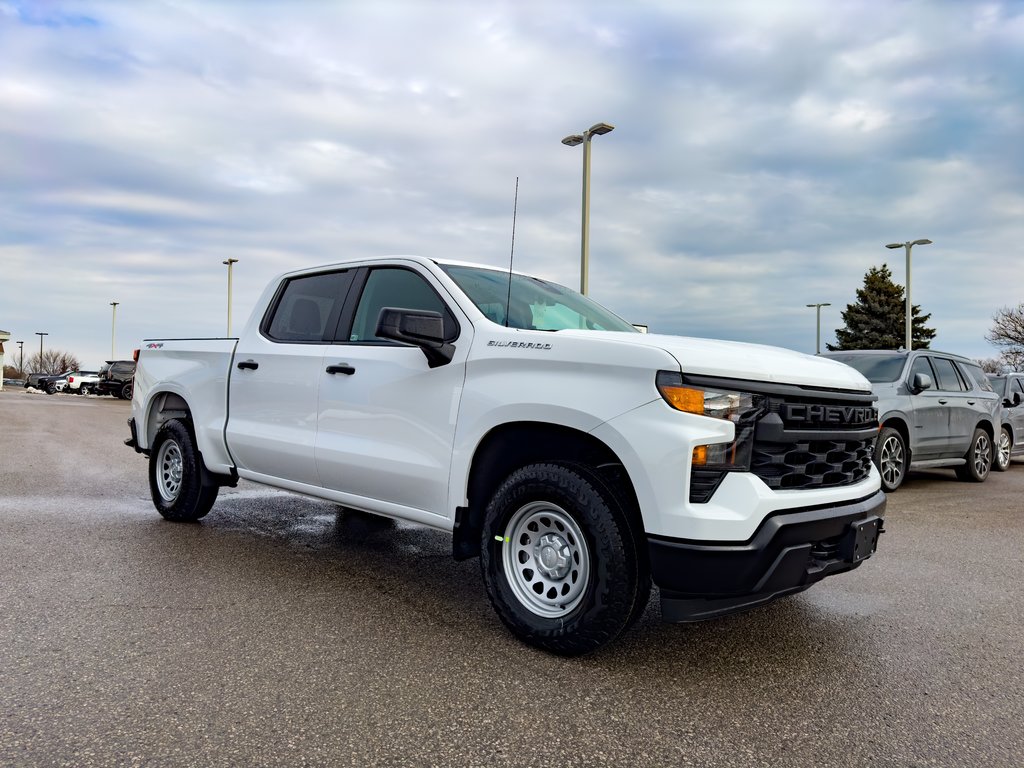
x=84, y=389
x=891, y=458
x=1003, y=448
x=126, y=391
x=51, y=388
x=559, y=559
x=979, y=458
x=176, y=475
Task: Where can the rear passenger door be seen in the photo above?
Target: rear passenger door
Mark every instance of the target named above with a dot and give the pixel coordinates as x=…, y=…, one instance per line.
x=954, y=394
x=930, y=430
x=275, y=383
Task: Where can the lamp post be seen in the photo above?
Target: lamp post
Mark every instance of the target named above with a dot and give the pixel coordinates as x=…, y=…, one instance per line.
x=817, y=338
x=113, y=326
x=40, y=335
x=598, y=129
x=21, y=357
x=230, y=263
x=909, y=319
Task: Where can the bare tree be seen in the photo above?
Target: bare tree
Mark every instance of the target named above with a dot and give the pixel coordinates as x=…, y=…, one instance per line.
x=53, y=361
x=1008, y=331
x=992, y=364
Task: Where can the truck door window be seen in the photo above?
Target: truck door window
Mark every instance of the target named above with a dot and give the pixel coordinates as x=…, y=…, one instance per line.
x=947, y=378
x=921, y=365
x=398, y=288
x=305, y=306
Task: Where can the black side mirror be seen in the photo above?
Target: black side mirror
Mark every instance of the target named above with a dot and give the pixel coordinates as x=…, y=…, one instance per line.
x=922, y=381
x=419, y=327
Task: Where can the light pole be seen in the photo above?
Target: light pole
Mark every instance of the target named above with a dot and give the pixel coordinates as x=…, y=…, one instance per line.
x=598, y=129
x=817, y=338
x=113, y=326
x=21, y=358
x=40, y=335
x=909, y=320
x=229, y=262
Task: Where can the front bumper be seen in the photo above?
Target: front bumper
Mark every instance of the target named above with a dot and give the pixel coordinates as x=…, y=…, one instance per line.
x=789, y=552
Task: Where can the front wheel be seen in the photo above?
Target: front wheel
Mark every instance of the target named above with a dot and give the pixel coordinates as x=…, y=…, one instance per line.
x=560, y=561
x=1003, y=448
x=83, y=389
x=176, y=475
x=979, y=458
x=891, y=458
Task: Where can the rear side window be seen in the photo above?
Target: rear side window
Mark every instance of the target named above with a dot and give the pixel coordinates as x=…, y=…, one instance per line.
x=1018, y=387
x=306, y=305
x=947, y=378
x=975, y=373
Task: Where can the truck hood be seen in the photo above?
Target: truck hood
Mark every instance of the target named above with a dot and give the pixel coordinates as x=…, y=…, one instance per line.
x=740, y=360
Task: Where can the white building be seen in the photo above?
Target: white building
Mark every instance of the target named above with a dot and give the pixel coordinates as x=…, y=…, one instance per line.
x=4, y=336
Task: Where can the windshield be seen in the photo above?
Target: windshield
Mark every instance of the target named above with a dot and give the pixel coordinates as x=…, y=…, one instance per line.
x=535, y=305
x=874, y=368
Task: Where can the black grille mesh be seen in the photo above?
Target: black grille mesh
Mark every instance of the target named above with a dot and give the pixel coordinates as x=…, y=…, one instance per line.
x=811, y=463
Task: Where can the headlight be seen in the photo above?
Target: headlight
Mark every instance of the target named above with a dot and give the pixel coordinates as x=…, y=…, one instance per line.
x=741, y=408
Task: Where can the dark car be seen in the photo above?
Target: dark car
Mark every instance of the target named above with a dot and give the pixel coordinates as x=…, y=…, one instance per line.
x=117, y=378
x=934, y=410
x=33, y=380
x=1010, y=387
x=49, y=383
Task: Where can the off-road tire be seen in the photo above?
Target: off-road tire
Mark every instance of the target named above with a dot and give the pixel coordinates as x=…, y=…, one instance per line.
x=979, y=458
x=891, y=458
x=176, y=475
x=1001, y=459
x=563, y=508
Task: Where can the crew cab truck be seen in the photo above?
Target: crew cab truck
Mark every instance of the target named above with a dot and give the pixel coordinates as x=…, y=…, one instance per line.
x=578, y=458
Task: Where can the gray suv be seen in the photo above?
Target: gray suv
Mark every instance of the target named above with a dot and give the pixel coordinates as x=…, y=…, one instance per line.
x=934, y=410
x=1010, y=387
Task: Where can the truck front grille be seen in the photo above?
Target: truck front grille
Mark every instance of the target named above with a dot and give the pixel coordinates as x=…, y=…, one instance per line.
x=809, y=442
x=812, y=463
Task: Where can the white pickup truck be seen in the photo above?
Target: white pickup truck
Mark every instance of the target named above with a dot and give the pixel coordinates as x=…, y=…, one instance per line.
x=580, y=459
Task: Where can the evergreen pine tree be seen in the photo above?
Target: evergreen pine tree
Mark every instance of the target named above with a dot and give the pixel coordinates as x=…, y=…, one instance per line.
x=877, y=320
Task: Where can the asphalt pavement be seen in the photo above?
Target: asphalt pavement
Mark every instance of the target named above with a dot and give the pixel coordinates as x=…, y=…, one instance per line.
x=280, y=632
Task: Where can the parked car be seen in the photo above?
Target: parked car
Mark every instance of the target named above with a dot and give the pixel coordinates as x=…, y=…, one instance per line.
x=1010, y=387
x=49, y=383
x=33, y=380
x=117, y=378
x=934, y=410
x=82, y=382
x=14, y=382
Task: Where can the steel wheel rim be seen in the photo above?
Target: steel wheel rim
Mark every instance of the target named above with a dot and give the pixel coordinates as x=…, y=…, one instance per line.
x=982, y=455
x=1004, y=448
x=546, y=559
x=891, y=463
x=169, y=466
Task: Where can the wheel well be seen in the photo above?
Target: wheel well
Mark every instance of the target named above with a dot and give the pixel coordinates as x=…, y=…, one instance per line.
x=166, y=406
x=510, y=446
x=900, y=426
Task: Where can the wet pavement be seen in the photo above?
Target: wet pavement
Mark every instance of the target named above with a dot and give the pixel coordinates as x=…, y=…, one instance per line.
x=278, y=632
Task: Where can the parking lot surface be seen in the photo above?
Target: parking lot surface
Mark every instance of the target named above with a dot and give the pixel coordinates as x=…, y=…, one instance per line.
x=280, y=632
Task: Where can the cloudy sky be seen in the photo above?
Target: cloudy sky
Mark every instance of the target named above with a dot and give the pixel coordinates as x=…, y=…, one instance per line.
x=763, y=155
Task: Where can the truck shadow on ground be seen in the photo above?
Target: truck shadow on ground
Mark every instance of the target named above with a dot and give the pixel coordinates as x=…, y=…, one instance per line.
x=300, y=544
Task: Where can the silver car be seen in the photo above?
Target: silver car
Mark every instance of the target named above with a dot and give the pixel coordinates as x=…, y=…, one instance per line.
x=1010, y=387
x=934, y=410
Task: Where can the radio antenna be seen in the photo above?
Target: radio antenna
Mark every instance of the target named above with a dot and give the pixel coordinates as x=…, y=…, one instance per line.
x=515, y=207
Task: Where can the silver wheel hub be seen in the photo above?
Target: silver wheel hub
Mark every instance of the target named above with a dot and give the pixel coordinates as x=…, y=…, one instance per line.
x=982, y=455
x=169, y=469
x=545, y=559
x=891, y=460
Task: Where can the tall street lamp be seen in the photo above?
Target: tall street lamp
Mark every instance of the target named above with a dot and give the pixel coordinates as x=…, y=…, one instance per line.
x=598, y=129
x=909, y=320
x=229, y=262
x=817, y=339
x=40, y=335
x=21, y=358
x=113, y=326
